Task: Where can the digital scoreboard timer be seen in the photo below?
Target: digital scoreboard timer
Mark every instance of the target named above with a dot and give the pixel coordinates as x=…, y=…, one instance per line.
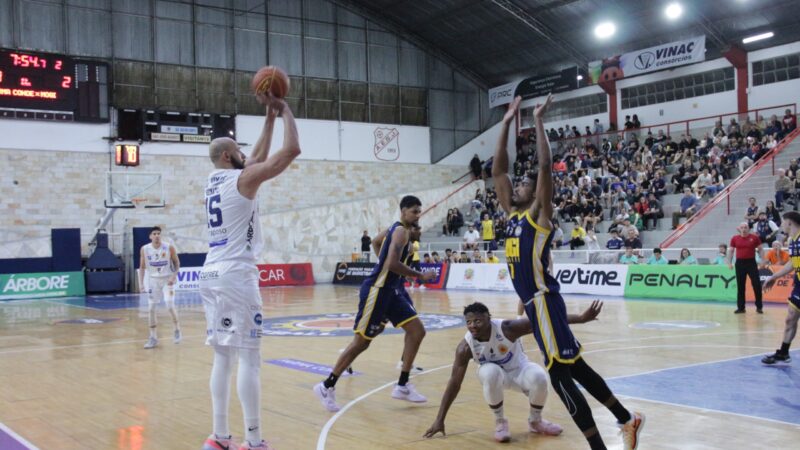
x=37, y=81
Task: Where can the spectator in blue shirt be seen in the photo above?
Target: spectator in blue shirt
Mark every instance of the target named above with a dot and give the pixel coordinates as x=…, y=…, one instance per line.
x=688, y=207
x=615, y=242
x=628, y=257
x=657, y=258
x=686, y=257
x=721, y=259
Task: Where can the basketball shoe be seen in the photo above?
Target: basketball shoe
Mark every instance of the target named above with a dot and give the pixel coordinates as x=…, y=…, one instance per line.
x=264, y=445
x=501, y=433
x=215, y=443
x=151, y=343
x=326, y=396
x=630, y=431
x=777, y=357
x=408, y=393
x=544, y=427
x=177, y=339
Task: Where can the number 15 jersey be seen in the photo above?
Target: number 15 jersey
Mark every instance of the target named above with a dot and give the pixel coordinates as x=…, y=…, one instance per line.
x=234, y=230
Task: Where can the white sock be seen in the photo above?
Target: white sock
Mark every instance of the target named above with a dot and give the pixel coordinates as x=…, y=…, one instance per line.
x=151, y=319
x=498, y=413
x=249, y=389
x=153, y=333
x=221, y=388
x=535, y=415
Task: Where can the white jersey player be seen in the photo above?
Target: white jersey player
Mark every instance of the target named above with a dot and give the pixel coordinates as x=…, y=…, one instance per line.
x=496, y=347
x=158, y=261
x=229, y=279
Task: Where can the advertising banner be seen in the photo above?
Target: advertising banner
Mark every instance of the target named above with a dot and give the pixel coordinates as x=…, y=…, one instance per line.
x=535, y=86
x=352, y=272
x=502, y=95
x=494, y=277
x=441, y=275
x=664, y=56
x=681, y=282
x=188, y=279
x=285, y=275
x=780, y=291
x=596, y=279
x=38, y=285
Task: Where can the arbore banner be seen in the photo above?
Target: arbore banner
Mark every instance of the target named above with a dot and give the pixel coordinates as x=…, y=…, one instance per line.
x=663, y=56
x=682, y=282
x=285, y=275
x=37, y=285
x=591, y=278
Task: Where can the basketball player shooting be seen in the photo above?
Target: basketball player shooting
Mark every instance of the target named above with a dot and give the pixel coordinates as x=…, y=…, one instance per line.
x=159, y=262
x=229, y=279
x=530, y=232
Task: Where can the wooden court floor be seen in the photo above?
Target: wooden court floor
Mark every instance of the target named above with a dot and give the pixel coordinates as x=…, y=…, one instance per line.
x=73, y=375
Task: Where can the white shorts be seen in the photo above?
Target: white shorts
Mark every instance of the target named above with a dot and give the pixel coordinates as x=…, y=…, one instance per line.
x=515, y=380
x=158, y=288
x=232, y=301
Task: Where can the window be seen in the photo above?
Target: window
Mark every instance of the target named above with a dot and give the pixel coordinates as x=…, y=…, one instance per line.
x=567, y=109
x=689, y=86
x=774, y=70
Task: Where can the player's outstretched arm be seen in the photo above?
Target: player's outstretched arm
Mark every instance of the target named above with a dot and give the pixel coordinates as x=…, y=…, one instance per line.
x=767, y=284
x=544, y=183
x=463, y=355
x=261, y=148
x=502, y=183
x=588, y=315
x=255, y=174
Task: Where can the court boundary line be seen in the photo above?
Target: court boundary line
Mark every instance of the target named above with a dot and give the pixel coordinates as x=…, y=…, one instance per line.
x=323, y=436
x=21, y=440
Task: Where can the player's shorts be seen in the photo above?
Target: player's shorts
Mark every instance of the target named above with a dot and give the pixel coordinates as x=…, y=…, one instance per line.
x=158, y=289
x=548, y=313
x=517, y=379
x=378, y=305
x=794, y=298
x=232, y=301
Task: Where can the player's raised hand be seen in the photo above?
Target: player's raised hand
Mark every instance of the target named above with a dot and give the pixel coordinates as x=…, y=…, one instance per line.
x=539, y=111
x=768, y=283
x=592, y=311
x=438, y=426
x=513, y=108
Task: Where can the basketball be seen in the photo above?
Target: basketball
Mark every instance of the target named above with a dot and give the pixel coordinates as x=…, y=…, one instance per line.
x=271, y=79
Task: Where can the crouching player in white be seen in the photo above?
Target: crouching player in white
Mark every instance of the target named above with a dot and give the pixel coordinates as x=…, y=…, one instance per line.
x=159, y=261
x=497, y=348
x=229, y=279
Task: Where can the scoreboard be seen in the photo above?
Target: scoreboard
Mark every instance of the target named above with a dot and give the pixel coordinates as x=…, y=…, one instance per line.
x=33, y=84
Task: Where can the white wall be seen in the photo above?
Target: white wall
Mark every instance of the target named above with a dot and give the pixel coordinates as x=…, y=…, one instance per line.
x=483, y=145
x=775, y=93
x=319, y=139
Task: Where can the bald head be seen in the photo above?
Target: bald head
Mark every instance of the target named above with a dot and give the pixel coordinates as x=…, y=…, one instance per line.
x=218, y=146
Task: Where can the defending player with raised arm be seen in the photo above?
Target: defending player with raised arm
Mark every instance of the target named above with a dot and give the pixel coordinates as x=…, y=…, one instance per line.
x=497, y=348
x=529, y=234
x=159, y=262
x=229, y=279
x=791, y=224
x=381, y=299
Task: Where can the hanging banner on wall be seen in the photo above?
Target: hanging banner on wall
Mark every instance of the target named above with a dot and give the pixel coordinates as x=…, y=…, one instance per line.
x=535, y=86
x=664, y=56
x=502, y=95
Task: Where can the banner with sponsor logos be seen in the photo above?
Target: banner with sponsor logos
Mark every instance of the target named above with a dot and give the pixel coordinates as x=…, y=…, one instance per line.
x=664, y=56
x=285, y=275
x=493, y=277
x=352, y=272
x=599, y=279
x=780, y=291
x=39, y=285
x=535, y=86
x=681, y=282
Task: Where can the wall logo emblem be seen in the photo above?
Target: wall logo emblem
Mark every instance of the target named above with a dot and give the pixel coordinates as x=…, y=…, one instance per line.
x=387, y=144
x=644, y=60
x=469, y=274
x=502, y=274
x=333, y=325
x=341, y=271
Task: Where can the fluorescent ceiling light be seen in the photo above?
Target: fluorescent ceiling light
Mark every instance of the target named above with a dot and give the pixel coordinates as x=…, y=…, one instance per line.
x=605, y=30
x=673, y=11
x=758, y=37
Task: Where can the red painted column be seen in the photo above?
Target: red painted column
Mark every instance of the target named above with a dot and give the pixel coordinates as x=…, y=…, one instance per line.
x=610, y=87
x=738, y=58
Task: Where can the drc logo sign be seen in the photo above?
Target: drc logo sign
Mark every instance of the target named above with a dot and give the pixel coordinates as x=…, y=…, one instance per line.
x=334, y=325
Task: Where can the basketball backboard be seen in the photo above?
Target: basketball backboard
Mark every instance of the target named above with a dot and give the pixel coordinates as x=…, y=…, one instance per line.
x=129, y=189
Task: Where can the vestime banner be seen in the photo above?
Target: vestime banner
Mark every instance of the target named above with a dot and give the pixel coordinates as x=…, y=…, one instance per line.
x=664, y=56
x=591, y=278
x=39, y=285
x=681, y=282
